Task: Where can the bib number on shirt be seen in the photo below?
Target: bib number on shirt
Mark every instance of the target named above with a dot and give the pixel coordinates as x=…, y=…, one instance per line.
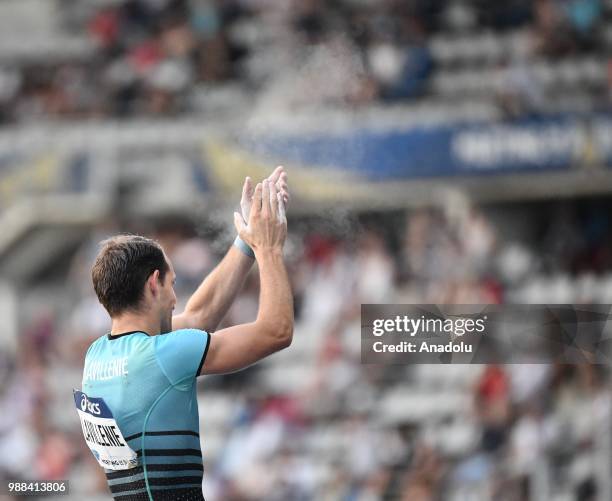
x=102, y=433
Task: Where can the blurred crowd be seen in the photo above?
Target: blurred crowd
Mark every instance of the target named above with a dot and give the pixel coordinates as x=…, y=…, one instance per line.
x=312, y=422
x=165, y=58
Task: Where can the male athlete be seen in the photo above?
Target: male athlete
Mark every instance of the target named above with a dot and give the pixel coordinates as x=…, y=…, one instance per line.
x=138, y=406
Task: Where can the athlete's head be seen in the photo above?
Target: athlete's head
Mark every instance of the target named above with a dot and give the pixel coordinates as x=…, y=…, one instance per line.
x=132, y=274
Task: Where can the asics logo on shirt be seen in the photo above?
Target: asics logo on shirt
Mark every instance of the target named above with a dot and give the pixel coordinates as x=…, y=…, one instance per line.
x=88, y=406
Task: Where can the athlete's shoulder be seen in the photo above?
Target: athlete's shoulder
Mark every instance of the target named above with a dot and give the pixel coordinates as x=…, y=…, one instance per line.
x=182, y=333
x=181, y=353
x=182, y=337
x=96, y=343
x=187, y=329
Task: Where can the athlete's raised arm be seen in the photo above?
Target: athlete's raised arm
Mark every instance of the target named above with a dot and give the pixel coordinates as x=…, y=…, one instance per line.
x=210, y=302
x=237, y=347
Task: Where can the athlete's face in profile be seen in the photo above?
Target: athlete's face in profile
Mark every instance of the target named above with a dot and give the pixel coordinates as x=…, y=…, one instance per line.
x=167, y=298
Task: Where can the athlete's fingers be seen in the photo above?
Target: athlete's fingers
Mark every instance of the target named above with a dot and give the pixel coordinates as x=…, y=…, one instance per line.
x=247, y=189
x=281, y=184
x=284, y=186
x=284, y=190
x=247, y=198
x=265, y=199
x=256, y=206
x=239, y=224
x=275, y=176
x=281, y=209
x=272, y=200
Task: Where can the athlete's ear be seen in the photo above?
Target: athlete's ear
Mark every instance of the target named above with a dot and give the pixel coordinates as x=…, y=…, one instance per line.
x=153, y=282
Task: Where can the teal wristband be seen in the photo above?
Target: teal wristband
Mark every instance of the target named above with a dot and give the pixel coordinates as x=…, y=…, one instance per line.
x=244, y=247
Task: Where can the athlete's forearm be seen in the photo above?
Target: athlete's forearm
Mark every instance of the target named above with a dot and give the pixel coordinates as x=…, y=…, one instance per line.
x=275, y=315
x=239, y=346
x=211, y=301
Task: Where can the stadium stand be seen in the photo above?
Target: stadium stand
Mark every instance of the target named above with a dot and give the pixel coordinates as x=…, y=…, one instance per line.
x=178, y=57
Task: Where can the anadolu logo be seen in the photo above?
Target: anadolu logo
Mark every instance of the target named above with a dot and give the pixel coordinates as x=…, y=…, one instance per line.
x=87, y=406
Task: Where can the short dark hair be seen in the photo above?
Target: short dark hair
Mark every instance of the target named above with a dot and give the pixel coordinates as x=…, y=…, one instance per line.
x=121, y=269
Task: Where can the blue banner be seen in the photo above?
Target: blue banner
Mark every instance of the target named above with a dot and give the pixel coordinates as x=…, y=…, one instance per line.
x=544, y=144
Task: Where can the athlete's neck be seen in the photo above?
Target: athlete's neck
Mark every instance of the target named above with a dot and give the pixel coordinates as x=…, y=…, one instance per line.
x=130, y=322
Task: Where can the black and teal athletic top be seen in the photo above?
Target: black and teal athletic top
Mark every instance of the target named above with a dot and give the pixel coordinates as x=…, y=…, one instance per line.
x=149, y=384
